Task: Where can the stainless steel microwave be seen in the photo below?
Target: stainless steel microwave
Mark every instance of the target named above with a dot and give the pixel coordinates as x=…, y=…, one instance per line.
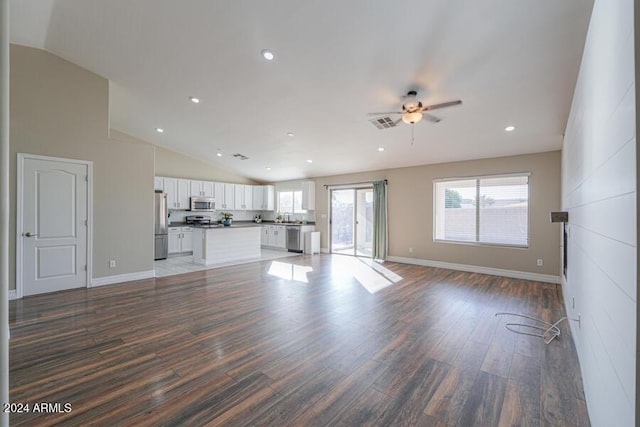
x=203, y=204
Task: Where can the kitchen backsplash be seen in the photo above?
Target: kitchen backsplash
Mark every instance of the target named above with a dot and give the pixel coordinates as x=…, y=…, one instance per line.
x=178, y=216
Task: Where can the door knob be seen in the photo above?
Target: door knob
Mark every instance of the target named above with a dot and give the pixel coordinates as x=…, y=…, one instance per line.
x=28, y=234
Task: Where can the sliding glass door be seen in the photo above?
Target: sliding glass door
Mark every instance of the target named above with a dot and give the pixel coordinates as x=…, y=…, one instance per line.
x=352, y=221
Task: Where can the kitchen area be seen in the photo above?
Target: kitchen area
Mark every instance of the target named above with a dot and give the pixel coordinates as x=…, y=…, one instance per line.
x=206, y=224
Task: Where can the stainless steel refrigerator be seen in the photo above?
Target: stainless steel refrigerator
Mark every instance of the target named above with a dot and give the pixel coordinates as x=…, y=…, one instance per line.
x=161, y=230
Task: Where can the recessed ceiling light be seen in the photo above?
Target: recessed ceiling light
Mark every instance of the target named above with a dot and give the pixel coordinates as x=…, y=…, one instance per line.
x=194, y=99
x=291, y=134
x=219, y=154
x=268, y=168
x=309, y=161
x=159, y=130
x=510, y=128
x=380, y=148
x=267, y=54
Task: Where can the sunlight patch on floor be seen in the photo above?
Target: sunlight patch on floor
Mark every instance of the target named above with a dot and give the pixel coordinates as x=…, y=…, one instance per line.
x=288, y=271
x=370, y=274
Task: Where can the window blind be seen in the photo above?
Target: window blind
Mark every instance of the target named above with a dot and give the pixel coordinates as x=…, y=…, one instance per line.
x=492, y=210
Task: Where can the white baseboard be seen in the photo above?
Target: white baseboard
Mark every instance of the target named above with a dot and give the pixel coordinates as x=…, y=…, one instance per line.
x=110, y=280
x=547, y=278
x=13, y=294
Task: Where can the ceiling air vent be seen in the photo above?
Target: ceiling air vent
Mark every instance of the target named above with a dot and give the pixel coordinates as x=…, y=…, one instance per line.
x=383, y=122
x=240, y=156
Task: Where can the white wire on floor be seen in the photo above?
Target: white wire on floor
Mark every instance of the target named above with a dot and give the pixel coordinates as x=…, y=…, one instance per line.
x=540, y=328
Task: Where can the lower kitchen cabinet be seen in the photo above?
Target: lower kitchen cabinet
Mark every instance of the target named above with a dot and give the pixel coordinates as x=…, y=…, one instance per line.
x=274, y=236
x=180, y=240
x=281, y=237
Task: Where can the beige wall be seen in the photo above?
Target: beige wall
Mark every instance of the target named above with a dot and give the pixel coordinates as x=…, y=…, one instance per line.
x=410, y=209
x=59, y=109
x=176, y=165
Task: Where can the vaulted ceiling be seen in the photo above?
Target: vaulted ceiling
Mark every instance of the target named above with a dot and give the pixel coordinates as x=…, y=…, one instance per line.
x=510, y=62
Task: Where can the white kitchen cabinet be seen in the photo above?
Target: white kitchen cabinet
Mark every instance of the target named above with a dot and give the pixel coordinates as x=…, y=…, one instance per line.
x=202, y=189
x=186, y=243
x=158, y=183
x=180, y=240
x=224, y=194
x=281, y=237
x=274, y=236
x=178, y=193
x=218, y=192
x=229, y=196
x=264, y=236
x=243, y=197
x=309, y=195
x=269, y=198
x=263, y=197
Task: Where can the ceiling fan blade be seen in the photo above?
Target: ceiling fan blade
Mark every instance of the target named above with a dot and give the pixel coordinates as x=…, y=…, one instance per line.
x=442, y=105
x=385, y=113
x=431, y=118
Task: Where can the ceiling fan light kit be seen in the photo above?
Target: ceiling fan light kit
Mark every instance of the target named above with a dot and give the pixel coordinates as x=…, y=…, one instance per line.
x=412, y=118
x=413, y=111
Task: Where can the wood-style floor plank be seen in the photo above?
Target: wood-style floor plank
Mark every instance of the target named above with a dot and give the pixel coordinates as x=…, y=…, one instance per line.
x=245, y=346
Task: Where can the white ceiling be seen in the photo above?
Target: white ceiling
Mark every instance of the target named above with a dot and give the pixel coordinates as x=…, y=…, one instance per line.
x=510, y=62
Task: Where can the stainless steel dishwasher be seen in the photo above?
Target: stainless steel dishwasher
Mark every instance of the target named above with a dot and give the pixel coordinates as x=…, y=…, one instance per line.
x=294, y=239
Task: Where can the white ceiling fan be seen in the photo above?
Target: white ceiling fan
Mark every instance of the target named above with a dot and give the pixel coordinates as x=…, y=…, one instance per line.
x=413, y=111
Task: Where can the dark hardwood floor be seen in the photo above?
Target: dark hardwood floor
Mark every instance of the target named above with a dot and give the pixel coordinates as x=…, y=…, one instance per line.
x=296, y=342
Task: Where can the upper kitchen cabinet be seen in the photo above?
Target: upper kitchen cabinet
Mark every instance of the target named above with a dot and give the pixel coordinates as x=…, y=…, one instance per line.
x=224, y=194
x=178, y=193
x=263, y=197
x=243, y=197
x=158, y=183
x=202, y=188
x=309, y=195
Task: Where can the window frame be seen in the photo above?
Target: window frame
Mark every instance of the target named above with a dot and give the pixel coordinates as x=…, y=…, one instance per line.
x=477, y=178
x=293, y=202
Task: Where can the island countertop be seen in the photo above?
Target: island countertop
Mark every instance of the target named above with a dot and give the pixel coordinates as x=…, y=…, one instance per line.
x=238, y=224
x=235, y=224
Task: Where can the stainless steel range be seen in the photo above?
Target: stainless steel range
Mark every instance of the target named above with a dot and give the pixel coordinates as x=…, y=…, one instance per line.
x=197, y=220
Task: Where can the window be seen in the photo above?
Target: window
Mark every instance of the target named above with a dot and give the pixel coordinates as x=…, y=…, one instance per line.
x=492, y=210
x=290, y=202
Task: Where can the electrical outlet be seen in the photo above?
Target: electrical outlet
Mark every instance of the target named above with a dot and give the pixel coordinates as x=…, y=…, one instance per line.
x=539, y=262
x=579, y=319
x=410, y=250
x=112, y=263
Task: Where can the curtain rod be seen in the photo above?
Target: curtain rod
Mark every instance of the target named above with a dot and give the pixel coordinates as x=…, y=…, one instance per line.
x=352, y=183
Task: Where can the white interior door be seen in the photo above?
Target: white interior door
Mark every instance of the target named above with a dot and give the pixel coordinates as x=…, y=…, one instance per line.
x=54, y=225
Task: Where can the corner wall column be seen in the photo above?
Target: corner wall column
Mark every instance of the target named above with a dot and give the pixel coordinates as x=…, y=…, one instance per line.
x=636, y=35
x=4, y=209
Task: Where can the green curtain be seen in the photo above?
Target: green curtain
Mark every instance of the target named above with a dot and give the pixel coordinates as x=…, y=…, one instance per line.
x=380, y=220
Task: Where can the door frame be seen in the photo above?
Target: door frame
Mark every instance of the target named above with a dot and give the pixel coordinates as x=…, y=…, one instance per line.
x=355, y=188
x=22, y=157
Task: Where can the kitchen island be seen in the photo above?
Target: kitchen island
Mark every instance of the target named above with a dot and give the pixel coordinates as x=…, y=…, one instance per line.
x=226, y=245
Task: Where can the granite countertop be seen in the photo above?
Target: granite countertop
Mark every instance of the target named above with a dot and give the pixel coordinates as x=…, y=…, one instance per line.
x=287, y=223
x=234, y=224
x=237, y=224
